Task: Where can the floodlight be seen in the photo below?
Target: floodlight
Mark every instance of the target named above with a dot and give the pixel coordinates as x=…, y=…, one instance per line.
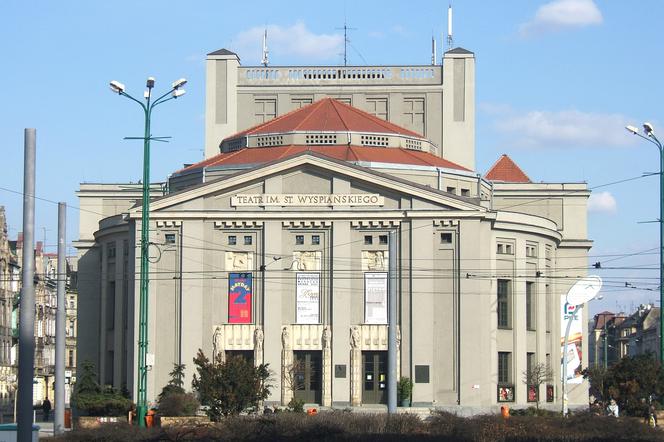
x=647, y=127
x=178, y=93
x=117, y=87
x=150, y=83
x=179, y=83
x=632, y=129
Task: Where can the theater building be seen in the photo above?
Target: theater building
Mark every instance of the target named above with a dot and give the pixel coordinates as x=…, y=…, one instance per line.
x=275, y=247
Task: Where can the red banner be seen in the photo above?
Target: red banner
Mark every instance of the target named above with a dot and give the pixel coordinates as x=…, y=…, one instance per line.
x=239, y=298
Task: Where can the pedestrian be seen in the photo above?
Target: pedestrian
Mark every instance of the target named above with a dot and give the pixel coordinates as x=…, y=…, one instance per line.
x=46, y=408
x=613, y=409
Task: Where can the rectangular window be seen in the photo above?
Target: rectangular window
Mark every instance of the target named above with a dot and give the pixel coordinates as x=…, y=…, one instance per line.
x=531, y=306
x=125, y=248
x=264, y=110
x=315, y=240
x=377, y=107
x=368, y=240
x=531, y=251
x=446, y=238
x=504, y=249
x=451, y=190
x=505, y=387
x=413, y=114
x=465, y=192
x=170, y=238
x=299, y=240
x=532, y=392
x=504, y=301
x=248, y=240
x=71, y=358
x=382, y=239
x=110, y=250
x=547, y=291
x=232, y=240
x=299, y=102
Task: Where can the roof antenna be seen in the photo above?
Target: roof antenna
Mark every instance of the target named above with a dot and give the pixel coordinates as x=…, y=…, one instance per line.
x=264, y=60
x=450, y=41
x=433, y=50
x=346, y=40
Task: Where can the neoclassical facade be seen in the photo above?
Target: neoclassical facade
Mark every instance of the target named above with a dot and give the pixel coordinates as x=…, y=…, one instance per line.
x=275, y=247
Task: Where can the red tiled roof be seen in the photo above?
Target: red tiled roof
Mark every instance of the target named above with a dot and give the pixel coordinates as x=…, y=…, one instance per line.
x=327, y=114
x=261, y=155
x=507, y=171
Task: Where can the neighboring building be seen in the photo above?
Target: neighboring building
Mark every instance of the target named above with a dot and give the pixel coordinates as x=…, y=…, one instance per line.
x=639, y=332
x=603, y=339
x=71, y=325
x=9, y=288
x=275, y=247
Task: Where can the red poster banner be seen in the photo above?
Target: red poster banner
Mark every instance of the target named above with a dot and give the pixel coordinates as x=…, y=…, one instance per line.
x=239, y=298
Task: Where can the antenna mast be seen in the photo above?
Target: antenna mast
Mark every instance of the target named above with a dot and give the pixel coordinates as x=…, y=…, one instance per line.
x=264, y=60
x=450, y=41
x=346, y=41
x=433, y=50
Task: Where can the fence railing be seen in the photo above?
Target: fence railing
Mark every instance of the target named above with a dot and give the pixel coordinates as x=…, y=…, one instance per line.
x=340, y=74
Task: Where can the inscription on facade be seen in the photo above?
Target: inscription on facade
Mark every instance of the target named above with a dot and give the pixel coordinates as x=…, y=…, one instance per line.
x=307, y=199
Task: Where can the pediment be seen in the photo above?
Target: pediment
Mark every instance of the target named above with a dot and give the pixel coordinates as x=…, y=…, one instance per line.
x=310, y=182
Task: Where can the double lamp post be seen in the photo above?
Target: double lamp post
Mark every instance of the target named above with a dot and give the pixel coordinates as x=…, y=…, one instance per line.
x=147, y=106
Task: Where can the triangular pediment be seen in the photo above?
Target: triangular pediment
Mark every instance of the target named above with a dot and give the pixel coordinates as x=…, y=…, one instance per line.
x=313, y=182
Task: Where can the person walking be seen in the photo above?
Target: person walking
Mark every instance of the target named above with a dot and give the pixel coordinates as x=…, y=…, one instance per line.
x=46, y=408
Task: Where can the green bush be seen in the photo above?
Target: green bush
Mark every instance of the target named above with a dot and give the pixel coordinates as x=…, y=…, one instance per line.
x=91, y=400
x=178, y=404
x=296, y=405
x=404, y=389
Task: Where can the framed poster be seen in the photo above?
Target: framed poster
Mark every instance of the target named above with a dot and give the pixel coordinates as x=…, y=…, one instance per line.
x=239, y=298
x=375, y=298
x=307, y=298
x=575, y=342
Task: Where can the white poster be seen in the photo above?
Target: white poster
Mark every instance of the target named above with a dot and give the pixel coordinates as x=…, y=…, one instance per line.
x=308, y=298
x=375, y=298
x=574, y=343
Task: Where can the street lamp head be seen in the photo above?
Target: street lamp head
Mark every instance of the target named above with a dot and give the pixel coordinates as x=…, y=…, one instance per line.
x=632, y=129
x=150, y=82
x=647, y=127
x=179, y=83
x=178, y=93
x=117, y=87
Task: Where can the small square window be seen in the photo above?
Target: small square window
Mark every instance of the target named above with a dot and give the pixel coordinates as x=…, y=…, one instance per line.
x=446, y=238
x=465, y=192
x=315, y=239
x=451, y=190
x=299, y=240
x=248, y=240
x=499, y=249
x=368, y=240
x=382, y=239
x=232, y=240
x=508, y=249
x=170, y=238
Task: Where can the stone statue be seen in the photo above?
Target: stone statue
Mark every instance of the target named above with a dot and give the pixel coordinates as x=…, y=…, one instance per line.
x=285, y=338
x=217, y=343
x=258, y=338
x=326, y=337
x=355, y=337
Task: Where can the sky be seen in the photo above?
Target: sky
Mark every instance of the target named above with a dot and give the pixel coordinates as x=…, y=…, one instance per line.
x=556, y=82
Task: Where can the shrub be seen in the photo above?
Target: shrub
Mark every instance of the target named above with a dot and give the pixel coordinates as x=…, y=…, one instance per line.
x=229, y=387
x=91, y=400
x=296, y=405
x=178, y=404
x=404, y=388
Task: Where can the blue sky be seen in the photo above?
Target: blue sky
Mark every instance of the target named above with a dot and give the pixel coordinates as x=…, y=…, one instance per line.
x=556, y=83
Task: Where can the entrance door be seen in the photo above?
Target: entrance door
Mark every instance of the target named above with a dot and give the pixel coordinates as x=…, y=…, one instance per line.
x=374, y=372
x=308, y=376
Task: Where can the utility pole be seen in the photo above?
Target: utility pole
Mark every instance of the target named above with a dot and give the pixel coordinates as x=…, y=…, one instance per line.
x=606, y=346
x=392, y=325
x=59, y=424
x=26, y=343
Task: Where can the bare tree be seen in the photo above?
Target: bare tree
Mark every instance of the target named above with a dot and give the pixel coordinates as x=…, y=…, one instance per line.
x=293, y=381
x=538, y=374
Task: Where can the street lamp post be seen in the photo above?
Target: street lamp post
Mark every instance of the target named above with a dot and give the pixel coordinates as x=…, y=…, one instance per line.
x=148, y=106
x=650, y=136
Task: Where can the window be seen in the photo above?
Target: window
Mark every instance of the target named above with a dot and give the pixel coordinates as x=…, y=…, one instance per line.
x=299, y=240
x=125, y=248
x=315, y=240
x=531, y=251
x=505, y=387
x=170, y=238
x=504, y=301
x=248, y=240
x=547, y=291
x=531, y=387
x=71, y=358
x=531, y=306
x=377, y=107
x=72, y=328
x=465, y=192
x=413, y=115
x=382, y=239
x=446, y=238
x=110, y=250
x=451, y=189
x=264, y=110
x=232, y=240
x=299, y=102
x=368, y=240
x=503, y=248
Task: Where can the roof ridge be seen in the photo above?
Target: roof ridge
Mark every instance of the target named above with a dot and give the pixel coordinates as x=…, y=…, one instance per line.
x=334, y=102
x=494, y=170
x=317, y=105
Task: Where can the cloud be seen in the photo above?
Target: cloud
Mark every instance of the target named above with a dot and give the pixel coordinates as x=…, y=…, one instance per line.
x=602, y=202
x=289, y=42
x=560, y=129
x=562, y=14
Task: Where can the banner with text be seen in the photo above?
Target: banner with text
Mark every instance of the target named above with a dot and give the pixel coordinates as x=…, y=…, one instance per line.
x=375, y=298
x=308, y=199
x=308, y=298
x=239, y=298
x=574, y=342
